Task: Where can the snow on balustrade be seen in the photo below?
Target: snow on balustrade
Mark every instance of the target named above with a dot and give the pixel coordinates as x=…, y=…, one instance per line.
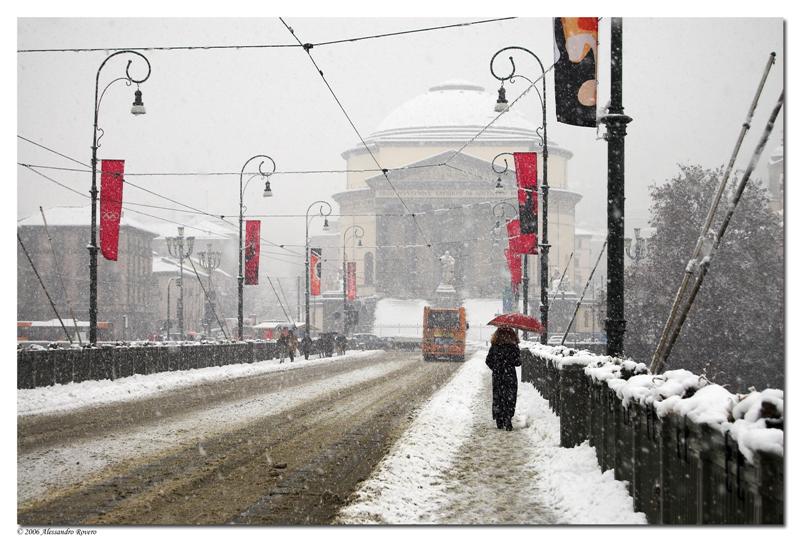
x=753, y=420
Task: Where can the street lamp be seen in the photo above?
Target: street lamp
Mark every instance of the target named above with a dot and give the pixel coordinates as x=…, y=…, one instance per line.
x=180, y=247
x=209, y=261
x=169, y=283
x=544, y=246
x=358, y=233
x=525, y=279
x=639, y=249
x=267, y=193
x=325, y=227
x=137, y=109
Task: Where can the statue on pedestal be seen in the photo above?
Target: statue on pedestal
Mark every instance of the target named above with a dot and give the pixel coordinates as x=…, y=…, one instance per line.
x=448, y=269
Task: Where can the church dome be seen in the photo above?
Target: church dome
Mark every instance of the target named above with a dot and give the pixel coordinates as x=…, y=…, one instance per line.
x=453, y=111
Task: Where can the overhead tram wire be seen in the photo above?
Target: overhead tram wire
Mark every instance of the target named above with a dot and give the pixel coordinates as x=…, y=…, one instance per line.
x=236, y=173
x=496, y=118
x=199, y=211
x=264, y=45
x=307, y=47
x=275, y=255
x=223, y=215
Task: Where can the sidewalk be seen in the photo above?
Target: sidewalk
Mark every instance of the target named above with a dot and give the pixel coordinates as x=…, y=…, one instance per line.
x=453, y=466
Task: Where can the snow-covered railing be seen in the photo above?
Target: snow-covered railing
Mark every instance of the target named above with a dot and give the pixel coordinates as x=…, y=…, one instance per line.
x=692, y=452
x=42, y=367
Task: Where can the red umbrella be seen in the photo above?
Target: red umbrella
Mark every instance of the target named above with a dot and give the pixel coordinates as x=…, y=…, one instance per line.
x=517, y=321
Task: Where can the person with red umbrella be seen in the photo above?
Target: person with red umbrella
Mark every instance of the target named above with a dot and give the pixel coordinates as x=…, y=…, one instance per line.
x=502, y=360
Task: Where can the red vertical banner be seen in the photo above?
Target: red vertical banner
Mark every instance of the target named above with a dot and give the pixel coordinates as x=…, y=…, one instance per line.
x=527, y=192
x=252, y=245
x=316, y=270
x=517, y=242
x=514, y=262
x=111, y=179
x=351, y=280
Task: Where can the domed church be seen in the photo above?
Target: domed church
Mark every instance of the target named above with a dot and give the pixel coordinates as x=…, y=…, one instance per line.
x=451, y=196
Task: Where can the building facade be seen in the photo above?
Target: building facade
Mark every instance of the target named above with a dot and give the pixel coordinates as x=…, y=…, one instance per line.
x=437, y=199
x=123, y=286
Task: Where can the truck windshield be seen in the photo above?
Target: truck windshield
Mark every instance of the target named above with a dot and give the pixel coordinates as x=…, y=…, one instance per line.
x=443, y=320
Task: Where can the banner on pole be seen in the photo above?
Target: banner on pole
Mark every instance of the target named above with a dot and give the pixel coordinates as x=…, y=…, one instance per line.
x=252, y=245
x=514, y=262
x=518, y=242
x=111, y=180
x=576, y=70
x=315, y=262
x=527, y=193
x=351, y=280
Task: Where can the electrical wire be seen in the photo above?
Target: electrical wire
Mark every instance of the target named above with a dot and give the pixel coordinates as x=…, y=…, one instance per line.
x=275, y=256
x=355, y=129
x=262, y=45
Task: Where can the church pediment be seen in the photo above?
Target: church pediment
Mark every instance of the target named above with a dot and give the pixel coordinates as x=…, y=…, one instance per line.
x=459, y=169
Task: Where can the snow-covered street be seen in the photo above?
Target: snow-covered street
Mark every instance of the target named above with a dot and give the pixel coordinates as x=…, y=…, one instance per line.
x=453, y=466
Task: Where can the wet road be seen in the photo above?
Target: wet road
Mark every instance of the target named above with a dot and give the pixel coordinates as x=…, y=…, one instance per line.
x=279, y=448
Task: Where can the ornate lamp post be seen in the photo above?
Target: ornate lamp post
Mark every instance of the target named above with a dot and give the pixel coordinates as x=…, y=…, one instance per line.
x=501, y=105
x=325, y=227
x=169, y=283
x=180, y=247
x=267, y=193
x=499, y=188
x=209, y=261
x=136, y=109
x=639, y=251
x=358, y=234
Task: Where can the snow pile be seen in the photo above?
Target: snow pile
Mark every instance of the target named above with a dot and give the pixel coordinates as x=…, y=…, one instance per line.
x=399, y=317
x=452, y=466
x=562, y=356
x=755, y=421
x=570, y=478
x=479, y=313
x=758, y=423
x=71, y=396
x=423, y=454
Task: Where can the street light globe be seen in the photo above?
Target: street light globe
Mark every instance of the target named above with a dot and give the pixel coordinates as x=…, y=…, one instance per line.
x=267, y=190
x=325, y=226
x=502, y=102
x=138, y=105
x=498, y=188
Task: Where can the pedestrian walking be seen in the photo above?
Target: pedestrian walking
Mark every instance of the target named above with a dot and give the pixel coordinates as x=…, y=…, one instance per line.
x=305, y=346
x=283, y=345
x=502, y=360
x=291, y=345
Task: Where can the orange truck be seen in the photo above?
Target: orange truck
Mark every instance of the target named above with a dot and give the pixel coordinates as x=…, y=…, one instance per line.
x=444, y=333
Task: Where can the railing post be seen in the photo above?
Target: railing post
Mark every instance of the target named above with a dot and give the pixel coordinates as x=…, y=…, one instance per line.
x=573, y=400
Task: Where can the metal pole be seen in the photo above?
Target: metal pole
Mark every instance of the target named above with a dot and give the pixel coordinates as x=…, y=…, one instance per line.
x=544, y=245
x=240, y=278
x=180, y=284
x=92, y=247
x=706, y=262
x=616, y=122
x=168, y=303
x=308, y=279
x=658, y=355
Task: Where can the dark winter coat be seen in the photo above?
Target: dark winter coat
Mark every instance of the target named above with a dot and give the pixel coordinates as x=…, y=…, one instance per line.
x=502, y=360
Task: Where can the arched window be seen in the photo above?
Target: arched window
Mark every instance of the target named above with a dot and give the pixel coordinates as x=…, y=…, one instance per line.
x=368, y=269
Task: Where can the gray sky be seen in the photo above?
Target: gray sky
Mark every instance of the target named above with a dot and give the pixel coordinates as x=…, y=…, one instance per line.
x=687, y=85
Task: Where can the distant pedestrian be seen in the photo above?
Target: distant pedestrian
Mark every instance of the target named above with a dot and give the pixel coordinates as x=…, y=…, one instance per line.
x=305, y=346
x=291, y=345
x=502, y=359
x=283, y=346
x=341, y=344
